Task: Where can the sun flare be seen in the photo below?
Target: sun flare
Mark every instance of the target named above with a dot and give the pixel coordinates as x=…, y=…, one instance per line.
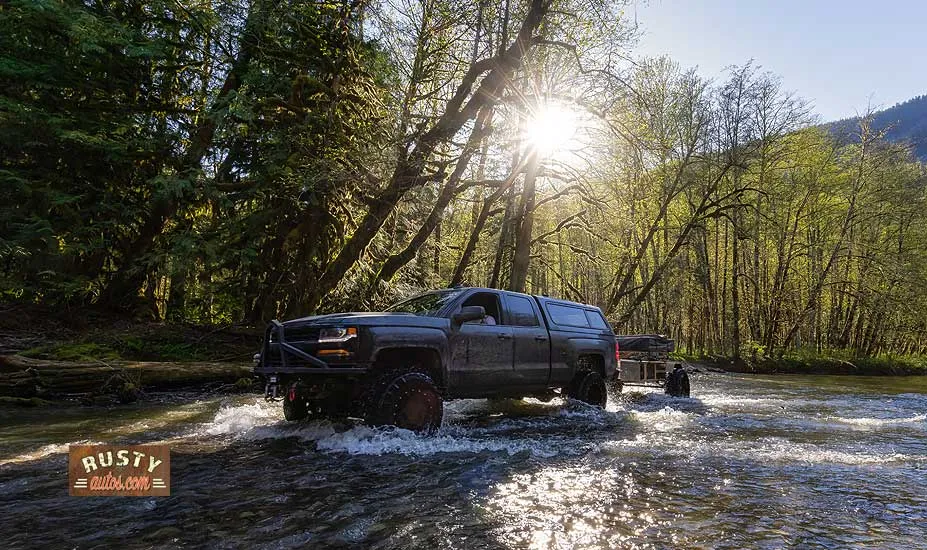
x=551, y=129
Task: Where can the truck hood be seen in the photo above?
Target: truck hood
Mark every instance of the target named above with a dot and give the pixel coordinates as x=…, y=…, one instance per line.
x=368, y=318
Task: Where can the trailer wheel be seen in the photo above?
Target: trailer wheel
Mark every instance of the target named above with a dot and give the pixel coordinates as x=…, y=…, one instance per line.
x=677, y=383
x=409, y=401
x=590, y=388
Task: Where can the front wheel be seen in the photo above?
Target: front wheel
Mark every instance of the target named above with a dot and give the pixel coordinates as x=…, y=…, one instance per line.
x=295, y=406
x=409, y=401
x=590, y=388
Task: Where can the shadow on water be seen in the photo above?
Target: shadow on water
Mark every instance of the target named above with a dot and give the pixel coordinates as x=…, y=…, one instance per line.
x=745, y=464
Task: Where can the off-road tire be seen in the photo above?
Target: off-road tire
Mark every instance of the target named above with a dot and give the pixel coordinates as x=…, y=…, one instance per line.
x=409, y=401
x=296, y=409
x=368, y=401
x=589, y=387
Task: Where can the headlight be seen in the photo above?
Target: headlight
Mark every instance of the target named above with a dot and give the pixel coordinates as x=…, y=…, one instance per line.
x=336, y=334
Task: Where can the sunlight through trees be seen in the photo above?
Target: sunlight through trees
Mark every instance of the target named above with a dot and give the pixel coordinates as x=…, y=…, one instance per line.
x=240, y=161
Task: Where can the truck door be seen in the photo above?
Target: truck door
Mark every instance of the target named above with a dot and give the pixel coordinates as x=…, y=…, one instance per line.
x=531, y=358
x=483, y=349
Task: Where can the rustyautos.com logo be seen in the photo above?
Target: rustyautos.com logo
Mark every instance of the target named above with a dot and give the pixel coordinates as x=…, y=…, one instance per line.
x=119, y=470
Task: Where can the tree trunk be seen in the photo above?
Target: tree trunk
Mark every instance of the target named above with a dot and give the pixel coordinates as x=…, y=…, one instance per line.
x=735, y=286
x=524, y=223
x=484, y=214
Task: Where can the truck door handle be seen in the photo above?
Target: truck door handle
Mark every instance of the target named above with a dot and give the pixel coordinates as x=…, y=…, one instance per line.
x=541, y=338
x=504, y=336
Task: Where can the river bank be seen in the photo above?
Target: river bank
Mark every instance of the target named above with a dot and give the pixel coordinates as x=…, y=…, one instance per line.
x=814, y=364
x=29, y=382
x=51, y=357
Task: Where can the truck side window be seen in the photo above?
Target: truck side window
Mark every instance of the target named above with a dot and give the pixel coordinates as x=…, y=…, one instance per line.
x=521, y=312
x=568, y=316
x=490, y=303
x=596, y=320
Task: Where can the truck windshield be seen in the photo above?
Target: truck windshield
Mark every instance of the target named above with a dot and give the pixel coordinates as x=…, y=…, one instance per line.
x=427, y=304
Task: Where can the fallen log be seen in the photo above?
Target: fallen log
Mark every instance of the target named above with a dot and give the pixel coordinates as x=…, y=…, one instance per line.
x=25, y=377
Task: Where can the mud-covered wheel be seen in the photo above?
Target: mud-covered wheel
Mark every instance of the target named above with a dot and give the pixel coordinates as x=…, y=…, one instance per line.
x=409, y=401
x=295, y=407
x=590, y=388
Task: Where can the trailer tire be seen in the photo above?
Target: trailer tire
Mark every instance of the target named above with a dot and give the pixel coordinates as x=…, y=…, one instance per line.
x=589, y=387
x=677, y=383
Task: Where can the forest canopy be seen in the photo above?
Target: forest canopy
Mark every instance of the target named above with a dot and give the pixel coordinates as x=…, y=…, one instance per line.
x=236, y=161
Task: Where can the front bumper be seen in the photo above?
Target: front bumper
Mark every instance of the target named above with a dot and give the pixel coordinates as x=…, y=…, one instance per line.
x=280, y=359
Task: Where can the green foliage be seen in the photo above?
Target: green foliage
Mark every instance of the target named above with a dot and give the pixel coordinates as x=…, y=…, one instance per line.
x=211, y=162
x=152, y=345
x=805, y=361
x=164, y=347
x=87, y=126
x=752, y=348
x=103, y=182
x=83, y=351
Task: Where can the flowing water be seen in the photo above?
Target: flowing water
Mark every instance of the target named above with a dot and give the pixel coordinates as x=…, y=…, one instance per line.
x=747, y=462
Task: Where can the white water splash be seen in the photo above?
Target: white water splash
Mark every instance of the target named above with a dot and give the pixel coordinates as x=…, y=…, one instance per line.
x=766, y=450
x=666, y=419
x=915, y=421
x=240, y=419
x=363, y=440
x=262, y=420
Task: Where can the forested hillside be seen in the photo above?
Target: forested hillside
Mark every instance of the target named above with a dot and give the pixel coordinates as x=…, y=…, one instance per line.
x=237, y=161
x=905, y=123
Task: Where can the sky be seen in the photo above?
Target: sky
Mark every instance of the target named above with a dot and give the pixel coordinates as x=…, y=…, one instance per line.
x=840, y=55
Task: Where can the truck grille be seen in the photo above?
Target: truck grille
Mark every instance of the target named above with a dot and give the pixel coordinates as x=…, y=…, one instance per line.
x=273, y=359
x=301, y=334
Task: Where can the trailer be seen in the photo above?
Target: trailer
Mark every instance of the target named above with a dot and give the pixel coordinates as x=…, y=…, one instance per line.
x=645, y=362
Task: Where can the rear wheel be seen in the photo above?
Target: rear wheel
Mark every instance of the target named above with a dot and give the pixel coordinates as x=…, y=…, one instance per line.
x=589, y=387
x=409, y=401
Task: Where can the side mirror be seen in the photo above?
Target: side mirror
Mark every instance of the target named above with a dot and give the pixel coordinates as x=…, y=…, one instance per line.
x=468, y=313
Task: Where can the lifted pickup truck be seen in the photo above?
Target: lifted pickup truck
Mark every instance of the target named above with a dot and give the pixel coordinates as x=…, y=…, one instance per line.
x=397, y=367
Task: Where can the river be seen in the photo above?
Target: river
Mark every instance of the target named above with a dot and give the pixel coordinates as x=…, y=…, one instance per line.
x=749, y=461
